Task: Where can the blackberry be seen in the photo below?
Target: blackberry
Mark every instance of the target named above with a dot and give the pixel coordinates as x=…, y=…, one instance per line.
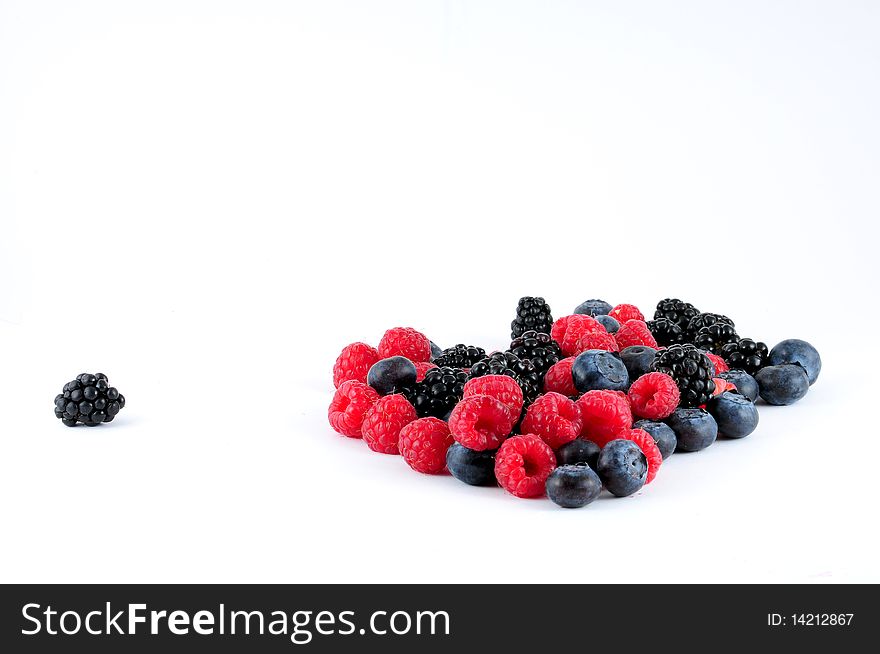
x=539, y=348
x=438, y=392
x=88, y=399
x=691, y=370
x=460, y=356
x=705, y=320
x=666, y=331
x=677, y=311
x=507, y=363
x=532, y=314
x=745, y=354
x=713, y=337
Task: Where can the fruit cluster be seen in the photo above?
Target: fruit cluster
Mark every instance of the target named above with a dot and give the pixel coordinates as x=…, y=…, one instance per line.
x=596, y=399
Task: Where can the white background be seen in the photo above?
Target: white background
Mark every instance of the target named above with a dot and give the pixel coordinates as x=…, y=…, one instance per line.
x=208, y=200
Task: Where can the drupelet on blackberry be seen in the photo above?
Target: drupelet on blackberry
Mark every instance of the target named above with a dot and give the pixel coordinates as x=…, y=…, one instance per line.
x=677, y=311
x=666, y=331
x=745, y=354
x=532, y=314
x=88, y=400
x=690, y=368
x=460, y=356
x=705, y=320
x=537, y=347
x=712, y=337
x=507, y=363
x=438, y=393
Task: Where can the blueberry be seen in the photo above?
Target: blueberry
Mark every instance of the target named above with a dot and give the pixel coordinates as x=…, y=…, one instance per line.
x=695, y=429
x=736, y=415
x=594, y=308
x=744, y=382
x=784, y=384
x=599, y=370
x=385, y=376
x=435, y=350
x=794, y=350
x=622, y=467
x=473, y=467
x=573, y=486
x=662, y=434
x=609, y=323
x=578, y=451
x=637, y=359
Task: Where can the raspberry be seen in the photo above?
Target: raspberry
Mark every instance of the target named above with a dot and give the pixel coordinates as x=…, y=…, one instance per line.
x=719, y=363
x=383, y=423
x=634, y=332
x=422, y=367
x=568, y=330
x=559, y=380
x=350, y=404
x=625, y=312
x=654, y=396
x=722, y=385
x=405, y=342
x=481, y=422
x=604, y=414
x=554, y=418
x=597, y=341
x=423, y=444
x=523, y=464
x=649, y=448
x=353, y=363
x=501, y=387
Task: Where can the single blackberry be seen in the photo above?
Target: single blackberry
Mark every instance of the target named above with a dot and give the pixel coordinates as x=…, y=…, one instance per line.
x=705, y=320
x=460, y=356
x=88, y=399
x=691, y=370
x=677, y=311
x=666, y=331
x=745, y=354
x=438, y=392
x=532, y=314
x=539, y=348
x=507, y=363
x=712, y=337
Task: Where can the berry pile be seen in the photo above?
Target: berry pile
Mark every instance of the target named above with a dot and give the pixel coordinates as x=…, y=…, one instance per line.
x=593, y=400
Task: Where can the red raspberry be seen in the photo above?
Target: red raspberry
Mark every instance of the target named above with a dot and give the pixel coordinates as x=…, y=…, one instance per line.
x=523, y=464
x=568, y=330
x=634, y=332
x=719, y=363
x=722, y=385
x=654, y=396
x=554, y=418
x=351, y=402
x=423, y=444
x=501, y=387
x=649, y=448
x=354, y=363
x=422, y=367
x=405, y=342
x=559, y=380
x=384, y=421
x=625, y=312
x=481, y=422
x=597, y=341
x=604, y=414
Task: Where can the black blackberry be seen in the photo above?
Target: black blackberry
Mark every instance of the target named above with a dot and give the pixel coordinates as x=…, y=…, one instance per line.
x=691, y=370
x=705, y=320
x=460, y=356
x=666, y=331
x=507, y=363
x=712, y=337
x=745, y=354
x=438, y=392
x=532, y=314
x=677, y=311
x=539, y=348
x=88, y=399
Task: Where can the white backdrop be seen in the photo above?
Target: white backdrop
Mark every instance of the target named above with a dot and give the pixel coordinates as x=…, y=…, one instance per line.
x=208, y=200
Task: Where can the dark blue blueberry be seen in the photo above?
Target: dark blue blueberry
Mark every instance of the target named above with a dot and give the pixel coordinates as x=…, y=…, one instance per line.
x=609, y=323
x=736, y=415
x=637, y=359
x=578, y=451
x=599, y=370
x=435, y=351
x=573, y=486
x=622, y=467
x=471, y=466
x=386, y=376
x=744, y=382
x=695, y=429
x=662, y=435
x=794, y=350
x=784, y=384
x=594, y=308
